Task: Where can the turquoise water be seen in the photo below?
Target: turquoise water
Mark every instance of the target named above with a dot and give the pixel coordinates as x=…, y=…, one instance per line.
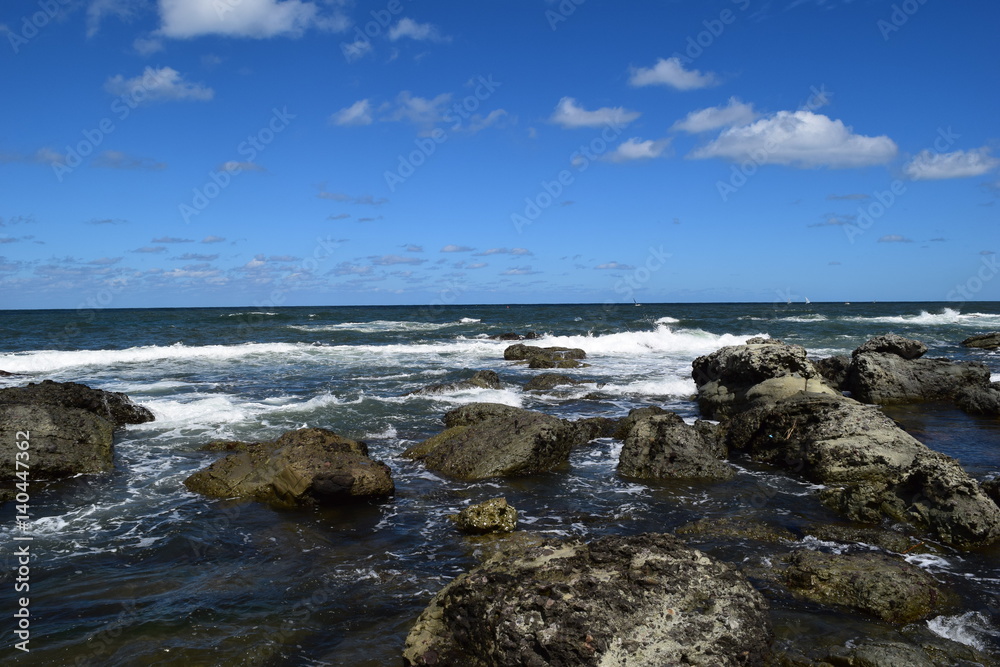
x=132, y=569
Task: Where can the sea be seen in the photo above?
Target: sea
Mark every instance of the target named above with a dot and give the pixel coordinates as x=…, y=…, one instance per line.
x=131, y=568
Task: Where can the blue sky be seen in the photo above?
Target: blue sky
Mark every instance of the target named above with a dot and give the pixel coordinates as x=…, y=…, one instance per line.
x=269, y=153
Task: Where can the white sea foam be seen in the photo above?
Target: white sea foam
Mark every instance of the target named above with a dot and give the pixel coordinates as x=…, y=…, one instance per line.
x=947, y=316
x=662, y=340
x=378, y=326
x=668, y=386
x=667, y=320
x=970, y=628
x=469, y=320
x=252, y=312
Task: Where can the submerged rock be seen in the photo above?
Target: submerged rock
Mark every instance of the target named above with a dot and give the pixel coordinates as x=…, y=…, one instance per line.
x=547, y=381
x=664, y=447
x=481, y=380
x=303, y=467
x=872, y=469
x=641, y=601
x=491, y=516
x=493, y=440
x=987, y=341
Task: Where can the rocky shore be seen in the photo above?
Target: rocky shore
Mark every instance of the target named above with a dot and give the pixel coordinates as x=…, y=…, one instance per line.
x=656, y=598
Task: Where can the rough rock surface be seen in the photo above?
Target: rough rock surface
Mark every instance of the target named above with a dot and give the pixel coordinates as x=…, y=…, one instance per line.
x=883, y=378
x=547, y=381
x=116, y=407
x=877, y=584
x=736, y=376
x=513, y=335
x=303, y=467
x=491, y=516
x=491, y=440
x=834, y=370
x=635, y=415
x=664, y=447
x=872, y=469
x=987, y=341
x=640, y=601
x=980, y=400
x=481, y=380
x=545, y=357
x=907, y=348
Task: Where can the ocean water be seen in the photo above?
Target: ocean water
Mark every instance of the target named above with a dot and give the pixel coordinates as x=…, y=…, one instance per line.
x=129, y=568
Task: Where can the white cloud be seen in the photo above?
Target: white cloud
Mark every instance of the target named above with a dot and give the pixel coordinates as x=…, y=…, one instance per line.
x=671, y=72
x=712, y=118
x=420, y=111
x=146, y=46
x=894, y=238
x=160, y=84
x=504, y=251
x=456, y=248
x=407, y=27
x=801, y=139
x=614, y=266
x=570, y=115
x=184, y=19
x=389, y=260
x=359, y=113
x=927, y=166
x=636, y=149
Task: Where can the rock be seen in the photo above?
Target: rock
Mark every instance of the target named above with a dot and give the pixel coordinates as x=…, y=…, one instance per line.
x=481, y=380
x=907, y=348
x=991, y=487
x=626, y=423
x=642, y=601
x=734, y=377
x=760, y=340
x=987, y=341
x=550, y=362
x=834, y=370
x=5, y=374
x=113, y=406
x=738, y=529
x=62, y=441
x=664, y=447
x=870, y=467
x=304, y=467
x=877, y=584
x=545, y=357
x=510, y=335
x=547, y=381
x=491, y=440
x=591, y=428
x=491, y=516
x=980, y=400
x=888, y=540
x=883, y=378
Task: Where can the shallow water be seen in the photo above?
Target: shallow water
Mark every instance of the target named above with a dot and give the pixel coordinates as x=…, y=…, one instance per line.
x=132, y=569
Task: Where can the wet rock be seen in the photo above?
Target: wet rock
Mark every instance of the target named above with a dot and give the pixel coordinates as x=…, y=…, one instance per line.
x=983, y=401
x=876, y=584
x=734, y=377
x=481, y=380
x=591, y=428
x=907, y=348
x=760, y=340
x=547, y=381
x=992, y=488
x=491, y=440
x=308, y=466
x=888, y=540
x=62, y=441
x=987, y=341
x=116, y=407
x=511, y=335
x=491, y=516
x=644, y=600
x=664, y=447
x=5, y=374
x=834, y=370
x=872, y=469
x=743, y=529
x=635, y=415
x=545, y=357
x=876, y=377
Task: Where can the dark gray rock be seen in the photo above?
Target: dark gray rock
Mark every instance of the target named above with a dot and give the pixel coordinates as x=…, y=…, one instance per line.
x=664, y=447
x=480, y=380
x=872, y=469
x=739, y=529
x=548, y=381
x=987, y=341
x=116, y=407
x=883, y=378
x=545, y=357
x=62, y=441
x=490, y=516
x=834, y=370
x=907, y=348
x=491, y=440
x=591, y=428
x=308, y=466
x=641, y=601
x=980, y=400
x=626, y=423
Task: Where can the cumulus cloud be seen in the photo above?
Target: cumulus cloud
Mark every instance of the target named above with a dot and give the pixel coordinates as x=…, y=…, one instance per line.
x=636, y=149
x=801, y=139
x=407, y=27
x=569, y=114
x=421, y=111
x=928, y=166
x=359, y=113
x=158, y=85
x=184, y=19
x=734, y=113
x=670, y=72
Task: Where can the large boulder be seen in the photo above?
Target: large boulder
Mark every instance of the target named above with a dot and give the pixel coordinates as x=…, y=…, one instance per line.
x=907, y=348
x=664, y=447
x=987, y=341
x=480, y=380
x=491, y=440
x=545, y=357
x=980, y=400
x=870, y=467
x=308, y=466
x=116, y=407
x=885, y=378
x=736, y=376
x=641, y=601
x=548, y=381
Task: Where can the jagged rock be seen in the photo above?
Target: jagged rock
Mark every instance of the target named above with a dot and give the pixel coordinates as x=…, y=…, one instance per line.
x=987, y=341
x=760, y=340
x=907, y=348
x=303, y=467
x=481, y=380
x=547, y=381
x=734, y=377
x=877, y=584
x=116, y=407
x=591, y=428
x=992, y=488
x=511, y=335
x=834, y=370
x=664, y=447
x=872, y=469
x=491, y=516
x=626, y=423
x=545, y=357
x=757, y=531
x=641, y=601
x=883, y=378
x=888, y=540
x=491, y=440
x=980, y=400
